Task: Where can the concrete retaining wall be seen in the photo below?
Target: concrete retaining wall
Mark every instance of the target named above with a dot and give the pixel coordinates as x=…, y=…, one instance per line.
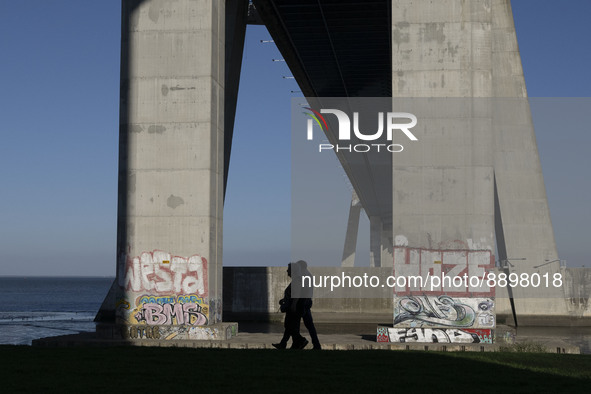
x=253, y=293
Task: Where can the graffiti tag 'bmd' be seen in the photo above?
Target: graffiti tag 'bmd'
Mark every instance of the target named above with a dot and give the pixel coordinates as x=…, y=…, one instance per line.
x=155, y=314
x=444, y=311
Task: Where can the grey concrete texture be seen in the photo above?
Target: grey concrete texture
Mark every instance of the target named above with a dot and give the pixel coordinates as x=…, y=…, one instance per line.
x=253, y=293
x=350, y=247
x=172, y=135
x=489, y=193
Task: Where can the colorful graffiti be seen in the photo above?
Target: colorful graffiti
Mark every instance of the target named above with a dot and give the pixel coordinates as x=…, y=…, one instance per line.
x=447, y=297
x=160, y=290
x=155, y=310
x=445, y=311
x=167, y=314
x=484, y=336
x=140, y=332
x=382, y=335
x=185, y=332
x=460, y=273
x=160, y=273
x=177, y=332
x=434, y=335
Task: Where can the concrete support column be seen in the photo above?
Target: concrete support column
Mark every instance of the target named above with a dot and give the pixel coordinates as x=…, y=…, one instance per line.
x=523, y=207
x=171, y=164
x=375, y=241
x=236, y=18
x=443, y=183
x=386, y=243
x=443, y=205
x=352, y=232
x=524, y=229
x=482, y=182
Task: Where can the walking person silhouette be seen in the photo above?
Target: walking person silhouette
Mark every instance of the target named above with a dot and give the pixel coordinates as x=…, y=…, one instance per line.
x=293, y=310
x=299, y=308
x=306, y=301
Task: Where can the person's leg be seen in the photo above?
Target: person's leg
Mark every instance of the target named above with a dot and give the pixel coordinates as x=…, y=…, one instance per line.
x=298, y=341
x=309, y=323
x=283, y=343
x=286, y=334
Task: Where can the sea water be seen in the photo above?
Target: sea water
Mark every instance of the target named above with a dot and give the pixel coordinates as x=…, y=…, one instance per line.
x=37, y=307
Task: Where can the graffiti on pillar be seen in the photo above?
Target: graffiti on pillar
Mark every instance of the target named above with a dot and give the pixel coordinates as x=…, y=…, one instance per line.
x=156, y=310
x=445, y=296
x=158, y=272
x=169, y=310
x=458, y=273
x=140, y=332
x=172, y=332
x=445, y=311
x=194, y=333
x=434, y=335
x=159, y=289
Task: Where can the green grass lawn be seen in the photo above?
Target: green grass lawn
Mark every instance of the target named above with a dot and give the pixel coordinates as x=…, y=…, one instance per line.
x=171, y=370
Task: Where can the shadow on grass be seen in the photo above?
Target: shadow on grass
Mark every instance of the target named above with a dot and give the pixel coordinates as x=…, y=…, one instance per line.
x=27, y=369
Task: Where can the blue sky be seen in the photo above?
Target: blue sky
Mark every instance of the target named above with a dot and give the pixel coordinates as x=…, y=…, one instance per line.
x=59, y=133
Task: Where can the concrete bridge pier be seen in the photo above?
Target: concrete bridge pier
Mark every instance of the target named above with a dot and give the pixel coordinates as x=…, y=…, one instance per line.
x=489, y=194
x=176, y=66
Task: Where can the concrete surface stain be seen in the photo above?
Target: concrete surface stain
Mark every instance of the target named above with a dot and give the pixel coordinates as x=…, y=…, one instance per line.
x=174, y=201
x=156, y=129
